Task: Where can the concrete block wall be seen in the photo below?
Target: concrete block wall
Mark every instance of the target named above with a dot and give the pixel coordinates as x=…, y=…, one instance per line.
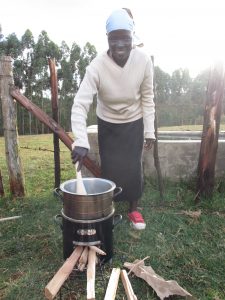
x=178, y=158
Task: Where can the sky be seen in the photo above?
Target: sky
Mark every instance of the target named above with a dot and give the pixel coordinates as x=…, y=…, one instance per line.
x=178, y=33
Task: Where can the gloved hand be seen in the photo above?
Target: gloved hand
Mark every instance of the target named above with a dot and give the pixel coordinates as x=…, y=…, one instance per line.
x=77, y=155
x=149, y=143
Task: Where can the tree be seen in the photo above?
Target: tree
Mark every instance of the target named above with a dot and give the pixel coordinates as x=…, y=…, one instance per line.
x=88, y=54
x=162, y=85
x=1, y=35
x=180, y=82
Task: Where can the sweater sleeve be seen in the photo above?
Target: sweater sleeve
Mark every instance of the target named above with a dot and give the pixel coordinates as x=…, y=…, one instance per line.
x=148, y=105
x=81, y=105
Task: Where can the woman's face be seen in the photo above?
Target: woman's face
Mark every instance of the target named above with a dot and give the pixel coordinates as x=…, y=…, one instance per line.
x=120, y=45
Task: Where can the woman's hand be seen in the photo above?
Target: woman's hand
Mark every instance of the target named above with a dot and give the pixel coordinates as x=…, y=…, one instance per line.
x=77, y=155
x=149, y=143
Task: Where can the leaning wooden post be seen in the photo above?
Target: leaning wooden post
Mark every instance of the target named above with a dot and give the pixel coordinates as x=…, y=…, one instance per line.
x=16, y=178
x=210, y=134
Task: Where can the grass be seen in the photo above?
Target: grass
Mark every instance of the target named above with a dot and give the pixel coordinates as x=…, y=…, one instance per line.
x=182, y=248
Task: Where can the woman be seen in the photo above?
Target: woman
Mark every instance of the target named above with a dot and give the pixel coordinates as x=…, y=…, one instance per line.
x=122, y=78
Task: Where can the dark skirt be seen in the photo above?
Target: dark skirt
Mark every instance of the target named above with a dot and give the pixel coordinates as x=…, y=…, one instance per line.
x=120, y=149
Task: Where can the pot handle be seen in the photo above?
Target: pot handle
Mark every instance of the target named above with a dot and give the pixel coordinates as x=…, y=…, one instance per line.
x=117, y=219
x=56, y=219
x=117, y=191
x=58, y=193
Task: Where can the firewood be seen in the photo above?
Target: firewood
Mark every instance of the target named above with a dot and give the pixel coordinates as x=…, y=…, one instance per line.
x=10, y=218
x=91, y=275
x=113, y=284
x=97, y=250
x=127, y=286
x=83, y=259
x=62, y=274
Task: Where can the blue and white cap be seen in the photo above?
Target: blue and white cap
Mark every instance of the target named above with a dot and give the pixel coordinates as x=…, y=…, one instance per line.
x=119, y=20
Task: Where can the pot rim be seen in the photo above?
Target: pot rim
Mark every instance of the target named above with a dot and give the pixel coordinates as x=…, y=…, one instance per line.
x=113, y=186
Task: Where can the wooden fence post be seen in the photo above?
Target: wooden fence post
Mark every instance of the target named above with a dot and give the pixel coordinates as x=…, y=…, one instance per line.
x=16, y=178
x=210, y=134
x=1, y=186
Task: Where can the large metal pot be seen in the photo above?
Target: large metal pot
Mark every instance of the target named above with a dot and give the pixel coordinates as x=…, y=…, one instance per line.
x=98, y=203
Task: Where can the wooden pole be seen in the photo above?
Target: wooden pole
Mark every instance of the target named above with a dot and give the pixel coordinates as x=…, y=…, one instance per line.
x=55, y=127
x=156, y=150
x=127, y=286
x=16, y=178
x=2, y=193
x=210, y=134
x=55, y=116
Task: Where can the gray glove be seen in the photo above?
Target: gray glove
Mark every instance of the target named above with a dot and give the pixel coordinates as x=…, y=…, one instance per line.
x=77, y=155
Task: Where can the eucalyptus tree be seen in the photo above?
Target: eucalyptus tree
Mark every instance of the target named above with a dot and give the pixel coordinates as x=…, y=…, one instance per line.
x=43, y=49
x=67, y=78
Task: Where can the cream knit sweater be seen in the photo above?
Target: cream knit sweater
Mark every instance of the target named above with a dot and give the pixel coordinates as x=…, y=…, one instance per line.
x=123, y=94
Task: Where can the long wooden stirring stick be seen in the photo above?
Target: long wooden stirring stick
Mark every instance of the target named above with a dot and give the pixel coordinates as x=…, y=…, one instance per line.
x=80, y=184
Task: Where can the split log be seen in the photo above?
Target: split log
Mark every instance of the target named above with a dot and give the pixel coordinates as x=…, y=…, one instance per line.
x=91, y=275
x=62, y=274
x=83, y=259
x=127, y=286
x=53, y=126
x=113, y=284
x=97, y=250
x=210, y=134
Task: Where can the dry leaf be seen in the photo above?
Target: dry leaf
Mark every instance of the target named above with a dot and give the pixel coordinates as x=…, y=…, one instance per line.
x=193, y=214
x=162, y=287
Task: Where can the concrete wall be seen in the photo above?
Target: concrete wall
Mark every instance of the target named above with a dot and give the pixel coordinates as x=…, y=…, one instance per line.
x=178, y=158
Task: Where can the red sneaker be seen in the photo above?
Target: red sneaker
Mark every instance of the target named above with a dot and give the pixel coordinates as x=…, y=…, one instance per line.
x=137, y=220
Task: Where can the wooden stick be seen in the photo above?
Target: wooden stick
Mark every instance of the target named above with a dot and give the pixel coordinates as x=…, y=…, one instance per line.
x=83, y=259
x=127, y=286
x=97, y=250
x=62, y=274
x=91, y=275
x=10, y=218
x=113, y=284
x=80, y=184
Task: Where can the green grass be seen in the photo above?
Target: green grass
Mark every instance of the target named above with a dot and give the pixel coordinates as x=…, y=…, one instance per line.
x=188, y=250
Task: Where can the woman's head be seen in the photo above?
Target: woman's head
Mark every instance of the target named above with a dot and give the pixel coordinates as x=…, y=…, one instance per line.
x=119, y=27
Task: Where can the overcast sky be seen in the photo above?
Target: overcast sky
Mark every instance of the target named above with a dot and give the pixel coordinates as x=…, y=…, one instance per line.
x=179, y=33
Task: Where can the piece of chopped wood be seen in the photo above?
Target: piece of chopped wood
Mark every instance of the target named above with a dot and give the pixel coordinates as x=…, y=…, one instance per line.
x=10, y=218
x=62, y=274
x=127, y=286
x=113, y=284
x=91, y=274
x=97, y=250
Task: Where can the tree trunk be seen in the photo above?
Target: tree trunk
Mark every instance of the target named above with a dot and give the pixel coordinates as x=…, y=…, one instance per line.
x=210, y=134
x=10, y=130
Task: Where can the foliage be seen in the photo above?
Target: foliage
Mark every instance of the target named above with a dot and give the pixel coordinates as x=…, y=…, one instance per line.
x=179, y=98
x=187, y=249
x=31, y=74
